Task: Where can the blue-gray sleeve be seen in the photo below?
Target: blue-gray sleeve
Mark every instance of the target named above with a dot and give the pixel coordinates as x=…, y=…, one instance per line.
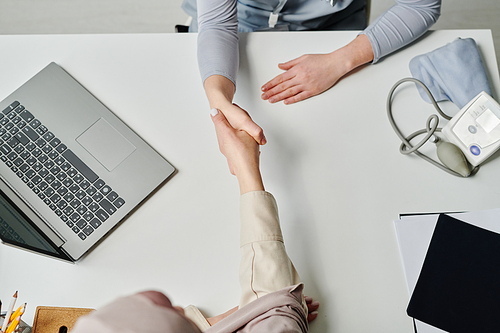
x=401, y=24
x=218, y=38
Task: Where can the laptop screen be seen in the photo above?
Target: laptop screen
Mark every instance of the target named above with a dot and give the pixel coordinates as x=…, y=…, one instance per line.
x=17, y=229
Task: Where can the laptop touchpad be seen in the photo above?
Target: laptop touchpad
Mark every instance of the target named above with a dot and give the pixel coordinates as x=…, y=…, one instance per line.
x=106, y=144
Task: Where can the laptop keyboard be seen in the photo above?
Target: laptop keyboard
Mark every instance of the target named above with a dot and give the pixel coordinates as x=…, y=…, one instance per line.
x=61, y=180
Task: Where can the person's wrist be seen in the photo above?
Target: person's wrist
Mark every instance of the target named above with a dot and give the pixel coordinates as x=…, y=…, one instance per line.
x=249, y=180
x=219, y=90
x=358, y=52
x=340, y=62
x=221, y=104
x=251, y=186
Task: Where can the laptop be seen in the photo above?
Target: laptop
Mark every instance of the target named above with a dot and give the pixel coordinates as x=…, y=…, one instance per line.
x=70, y=170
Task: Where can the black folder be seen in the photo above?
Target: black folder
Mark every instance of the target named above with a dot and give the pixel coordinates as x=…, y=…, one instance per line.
x=458, y=289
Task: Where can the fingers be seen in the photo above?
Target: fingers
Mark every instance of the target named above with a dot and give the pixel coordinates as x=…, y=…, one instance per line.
x=218, y=119
x=289, y=64
x=275, y=92
x=284, y=77
x=256, y=132
x=288, y=93
x=222, y=127
x=312, y=307
x=311, y=316
x=239, y=121
x=283, y=93
x=298, y=97
x=242, y=121
x=286, y=85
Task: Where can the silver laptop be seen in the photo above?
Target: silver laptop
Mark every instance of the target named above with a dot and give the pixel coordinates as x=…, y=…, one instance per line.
x=70, y=170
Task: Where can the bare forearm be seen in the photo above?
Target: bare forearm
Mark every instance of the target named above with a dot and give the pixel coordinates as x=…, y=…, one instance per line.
x=250, y=180
x=219, y=91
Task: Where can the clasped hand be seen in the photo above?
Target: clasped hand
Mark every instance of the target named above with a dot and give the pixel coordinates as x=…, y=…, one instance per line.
x=241, y=151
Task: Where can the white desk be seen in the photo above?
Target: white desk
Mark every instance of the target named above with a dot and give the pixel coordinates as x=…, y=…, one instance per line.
x=332, y=162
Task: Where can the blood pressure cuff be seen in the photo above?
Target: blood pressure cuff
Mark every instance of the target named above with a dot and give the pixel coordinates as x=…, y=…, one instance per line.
x=454, y=72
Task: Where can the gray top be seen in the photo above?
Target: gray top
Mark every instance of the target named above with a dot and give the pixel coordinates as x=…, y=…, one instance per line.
x=218, y=23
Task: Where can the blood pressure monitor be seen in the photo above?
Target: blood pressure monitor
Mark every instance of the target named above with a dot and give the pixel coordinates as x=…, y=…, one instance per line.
x=476, y=128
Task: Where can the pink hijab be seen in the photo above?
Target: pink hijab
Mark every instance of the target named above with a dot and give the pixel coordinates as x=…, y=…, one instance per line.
x=134, y=314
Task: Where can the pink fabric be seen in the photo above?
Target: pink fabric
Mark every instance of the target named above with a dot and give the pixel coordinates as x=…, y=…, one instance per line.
x=134, y=314
x=278, y=312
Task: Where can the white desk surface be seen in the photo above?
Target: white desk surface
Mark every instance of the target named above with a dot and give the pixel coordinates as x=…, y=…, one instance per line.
x=332, y=162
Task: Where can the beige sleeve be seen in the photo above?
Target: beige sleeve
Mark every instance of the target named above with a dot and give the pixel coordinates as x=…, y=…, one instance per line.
x=265, y=266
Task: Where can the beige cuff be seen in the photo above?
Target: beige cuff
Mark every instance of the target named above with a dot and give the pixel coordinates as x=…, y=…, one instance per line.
x=196, y=317
x=259, y=218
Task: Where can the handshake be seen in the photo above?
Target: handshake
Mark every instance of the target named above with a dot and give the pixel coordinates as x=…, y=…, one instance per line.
x=241, y=151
